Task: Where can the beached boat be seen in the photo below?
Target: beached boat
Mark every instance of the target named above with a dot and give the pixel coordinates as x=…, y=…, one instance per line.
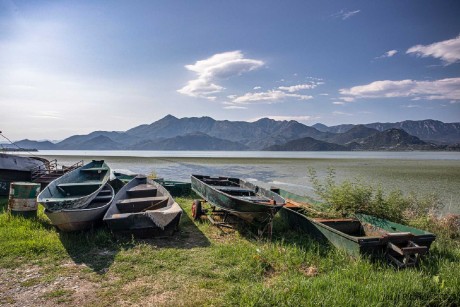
x=120, y=177
x=17, y=168
x=85, y=218
x=175, y=188
x=361, y=235
x=143, y=208
x=75, y=189
x=243, y=199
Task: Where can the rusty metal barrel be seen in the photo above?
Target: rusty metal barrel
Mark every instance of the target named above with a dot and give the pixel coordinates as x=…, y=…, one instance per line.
x=23, y=198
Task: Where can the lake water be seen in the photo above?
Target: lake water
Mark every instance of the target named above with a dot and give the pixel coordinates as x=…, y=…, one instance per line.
x=419, y=172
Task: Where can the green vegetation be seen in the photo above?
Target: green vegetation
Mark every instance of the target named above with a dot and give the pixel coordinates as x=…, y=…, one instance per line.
x=356, y=196
x=202, y=265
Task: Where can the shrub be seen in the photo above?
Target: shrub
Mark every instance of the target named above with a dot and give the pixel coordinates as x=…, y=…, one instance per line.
x=356, y=196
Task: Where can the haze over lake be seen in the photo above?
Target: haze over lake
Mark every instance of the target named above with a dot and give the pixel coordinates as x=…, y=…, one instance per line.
x=419, y=172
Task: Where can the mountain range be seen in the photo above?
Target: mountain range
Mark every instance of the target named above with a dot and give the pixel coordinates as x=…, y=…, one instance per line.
x=205, y=133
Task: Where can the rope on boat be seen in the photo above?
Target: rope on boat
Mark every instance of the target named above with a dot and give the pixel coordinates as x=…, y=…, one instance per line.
x=14, y=144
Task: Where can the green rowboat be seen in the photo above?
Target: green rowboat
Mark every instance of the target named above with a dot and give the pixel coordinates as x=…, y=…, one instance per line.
x=361, y=235
x=175, y=188
x=75, y=189
x=243, y=199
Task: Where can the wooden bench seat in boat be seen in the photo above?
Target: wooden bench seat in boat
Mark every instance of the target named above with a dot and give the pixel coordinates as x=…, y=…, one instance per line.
x=142, y=190
x=79, y=188
x=94, y=169
x=131, y=205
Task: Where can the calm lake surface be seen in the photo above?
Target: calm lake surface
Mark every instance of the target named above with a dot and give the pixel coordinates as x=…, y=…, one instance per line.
x=418, y=172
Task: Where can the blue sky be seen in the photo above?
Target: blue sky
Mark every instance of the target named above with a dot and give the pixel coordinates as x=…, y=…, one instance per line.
x=72, y=67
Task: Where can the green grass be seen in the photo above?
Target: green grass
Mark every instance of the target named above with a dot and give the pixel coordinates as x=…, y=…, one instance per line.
x=201, y=266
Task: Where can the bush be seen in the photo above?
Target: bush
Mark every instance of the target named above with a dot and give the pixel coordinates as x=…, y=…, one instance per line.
x=356, y=196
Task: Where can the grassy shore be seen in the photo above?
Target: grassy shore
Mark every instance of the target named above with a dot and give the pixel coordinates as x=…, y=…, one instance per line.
x=200, y=265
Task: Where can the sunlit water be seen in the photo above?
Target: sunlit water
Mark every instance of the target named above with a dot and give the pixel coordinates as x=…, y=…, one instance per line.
x=420, y=172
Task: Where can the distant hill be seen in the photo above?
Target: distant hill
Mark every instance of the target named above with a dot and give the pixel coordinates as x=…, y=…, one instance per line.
x=206, y=133
x=307, y=144
x=427, y=130
x=392, y=139
x=190, y=141
x=355, y=133
x=44, y=145
x=100, y=142
x=254, y=135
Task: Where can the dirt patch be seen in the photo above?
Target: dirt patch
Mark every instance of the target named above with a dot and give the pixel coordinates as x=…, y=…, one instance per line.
x=34, y=286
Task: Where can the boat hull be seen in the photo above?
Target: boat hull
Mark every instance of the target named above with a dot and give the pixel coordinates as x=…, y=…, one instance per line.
x=347, y=234
x=15, y=168
x=255, y=213
x=159, y=222
x=176, y=188
x=68, y=220
x=75, y=189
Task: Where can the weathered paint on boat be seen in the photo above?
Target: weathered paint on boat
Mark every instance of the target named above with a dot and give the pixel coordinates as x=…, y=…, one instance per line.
x=358, y=236
x=85, y=218
x=145, y=223
x=175, y=188
x=16, y=168
x=253, y=208
x=77, y=188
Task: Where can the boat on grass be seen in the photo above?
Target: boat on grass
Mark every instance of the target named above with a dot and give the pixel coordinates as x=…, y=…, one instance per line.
x=360, y=235
x=17, y=168
x=84, y=218
x=175, y=188
x=243, y=199
x=143, y=208
x=75, y=189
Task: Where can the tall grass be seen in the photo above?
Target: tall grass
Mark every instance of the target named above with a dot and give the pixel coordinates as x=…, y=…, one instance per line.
x=201, y=266
x=356, y=196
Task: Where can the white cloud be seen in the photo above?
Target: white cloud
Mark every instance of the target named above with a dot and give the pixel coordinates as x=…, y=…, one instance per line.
x=345, y=14
x=272, y=96
x=233, y=107
x=218, y=66
x=338, y=102
x=448, y=50
x=429, y=90
x=299, y=87
x=388, y=54
x=257, y=88
x=341, y=113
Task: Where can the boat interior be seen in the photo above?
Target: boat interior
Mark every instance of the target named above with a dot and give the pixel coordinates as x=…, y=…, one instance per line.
x=102, y=198
x=141, y=198
x=233, y=188
x=92, y=181
x=353, y=226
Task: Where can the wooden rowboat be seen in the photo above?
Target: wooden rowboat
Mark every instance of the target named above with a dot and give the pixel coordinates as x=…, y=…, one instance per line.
x=361, y=235
x=243, y=199
x=76, y=189
x=81, y=219
x=17, y=168
x=175, y=188
x=143, y=208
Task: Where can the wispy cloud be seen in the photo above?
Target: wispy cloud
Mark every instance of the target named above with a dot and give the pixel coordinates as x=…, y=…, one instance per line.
x=428, y=90
x=448, y=50
x=271, y=96
x=233, y=107
x=338, y=102
x=341, y=113
x=214, y=68
x=299, y=87
x=343, y=14
x=388, y=54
